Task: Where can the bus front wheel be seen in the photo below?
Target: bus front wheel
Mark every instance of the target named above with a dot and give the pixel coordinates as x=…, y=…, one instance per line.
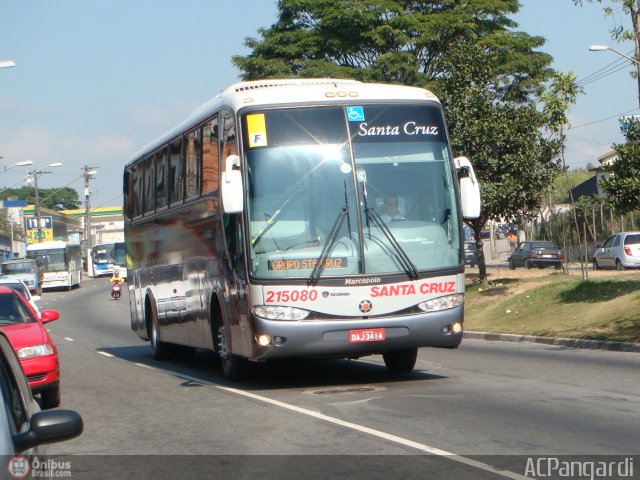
x=234, y=368
x=401, y=360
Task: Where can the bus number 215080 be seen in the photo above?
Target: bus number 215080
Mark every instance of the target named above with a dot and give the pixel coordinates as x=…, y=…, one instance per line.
x=291, y=296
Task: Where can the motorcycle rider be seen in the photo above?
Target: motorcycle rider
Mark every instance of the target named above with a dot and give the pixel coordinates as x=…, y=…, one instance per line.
x=116, y=279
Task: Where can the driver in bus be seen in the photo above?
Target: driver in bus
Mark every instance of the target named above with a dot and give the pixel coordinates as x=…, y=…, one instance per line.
x=391, y=209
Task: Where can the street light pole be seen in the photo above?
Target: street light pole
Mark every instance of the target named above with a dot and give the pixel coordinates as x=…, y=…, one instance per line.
x=88, y=171
x=603, y=48
x=35, y=175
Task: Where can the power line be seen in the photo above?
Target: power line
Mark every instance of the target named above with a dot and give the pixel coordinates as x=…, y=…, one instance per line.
x=602, y=119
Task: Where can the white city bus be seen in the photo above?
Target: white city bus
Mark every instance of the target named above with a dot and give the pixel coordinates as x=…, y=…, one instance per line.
x=257, y=227
x=62, y=263
x=105, y=258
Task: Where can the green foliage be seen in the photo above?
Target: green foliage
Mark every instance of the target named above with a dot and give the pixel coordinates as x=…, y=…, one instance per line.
x=53, y=198
x=394, y=41
x=513, y=158
x=623, y=184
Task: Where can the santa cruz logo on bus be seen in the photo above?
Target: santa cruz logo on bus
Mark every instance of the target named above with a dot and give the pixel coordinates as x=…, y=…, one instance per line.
x=365, y=306
x=412, y=289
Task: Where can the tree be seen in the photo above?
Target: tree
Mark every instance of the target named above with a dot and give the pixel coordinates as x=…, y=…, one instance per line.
x=65, y=198
x=8, y=230
x=396, y=41
x=514, y=160
x=623, y=183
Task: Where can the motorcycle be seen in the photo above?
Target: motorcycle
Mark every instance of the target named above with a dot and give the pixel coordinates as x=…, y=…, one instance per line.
x=115, y=290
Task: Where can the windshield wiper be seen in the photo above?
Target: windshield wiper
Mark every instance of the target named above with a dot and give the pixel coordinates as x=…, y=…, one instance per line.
x=331, y=240
x=408, y=265
x=328, y=246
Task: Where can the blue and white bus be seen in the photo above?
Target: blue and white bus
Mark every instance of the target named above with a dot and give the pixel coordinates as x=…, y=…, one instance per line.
x=105, y=258
x=258, y=227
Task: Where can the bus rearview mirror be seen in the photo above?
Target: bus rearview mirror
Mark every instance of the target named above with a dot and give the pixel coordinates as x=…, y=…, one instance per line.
x=469, y=188
x=231, y=186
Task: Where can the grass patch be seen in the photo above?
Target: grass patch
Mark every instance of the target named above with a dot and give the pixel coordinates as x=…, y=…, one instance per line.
x=556, y=306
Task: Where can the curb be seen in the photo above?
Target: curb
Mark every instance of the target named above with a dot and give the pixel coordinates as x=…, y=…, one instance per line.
x=567, y=342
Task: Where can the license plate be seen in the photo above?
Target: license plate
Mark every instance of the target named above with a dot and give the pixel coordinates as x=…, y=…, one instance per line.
x=547, y=256
x=367, y=335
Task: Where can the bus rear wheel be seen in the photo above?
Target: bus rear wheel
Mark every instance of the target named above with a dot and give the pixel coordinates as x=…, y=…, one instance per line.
x=159, y=350
x=401, y=360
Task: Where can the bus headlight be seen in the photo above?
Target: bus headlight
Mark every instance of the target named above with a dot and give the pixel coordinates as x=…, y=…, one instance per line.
x=442, y=303
x=279, y=313
x=35, y=351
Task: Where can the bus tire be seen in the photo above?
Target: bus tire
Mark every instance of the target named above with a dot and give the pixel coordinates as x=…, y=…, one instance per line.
x=50, y=398
x=159, y=350
x=234, y=367
x=401, y=360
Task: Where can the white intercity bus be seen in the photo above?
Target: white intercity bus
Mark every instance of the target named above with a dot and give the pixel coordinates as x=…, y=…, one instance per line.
x=62, y=263
x=300, y=218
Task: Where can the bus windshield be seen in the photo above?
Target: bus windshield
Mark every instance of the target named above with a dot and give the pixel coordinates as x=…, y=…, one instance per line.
x=52, y=260
x=367, y=189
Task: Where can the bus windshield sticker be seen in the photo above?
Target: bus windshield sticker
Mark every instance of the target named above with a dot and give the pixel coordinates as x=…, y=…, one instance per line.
x=355, y=114
x=257, y=128
x=306, y=263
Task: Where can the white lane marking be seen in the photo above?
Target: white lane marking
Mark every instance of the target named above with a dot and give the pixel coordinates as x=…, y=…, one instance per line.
x=360, y=428
x=69, y=339
x=105, y=354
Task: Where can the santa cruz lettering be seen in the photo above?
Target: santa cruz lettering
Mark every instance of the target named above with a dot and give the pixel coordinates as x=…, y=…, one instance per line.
x=410, y=289
x=282, y=296
x=409, y=128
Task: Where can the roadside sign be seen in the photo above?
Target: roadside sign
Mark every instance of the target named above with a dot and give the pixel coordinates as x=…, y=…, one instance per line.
x=46, y=229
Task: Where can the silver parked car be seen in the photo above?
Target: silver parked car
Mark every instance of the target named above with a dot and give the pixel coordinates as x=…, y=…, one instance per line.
x=619, y=251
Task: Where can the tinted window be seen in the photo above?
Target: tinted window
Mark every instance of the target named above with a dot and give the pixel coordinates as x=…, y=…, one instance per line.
x=149, y=186
x=176, y=172
x=631, y=239
x=193, y=152
x=161, y=178
x=210, y=155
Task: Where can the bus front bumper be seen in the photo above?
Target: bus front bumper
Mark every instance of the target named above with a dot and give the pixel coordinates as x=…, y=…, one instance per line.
x=331, y=338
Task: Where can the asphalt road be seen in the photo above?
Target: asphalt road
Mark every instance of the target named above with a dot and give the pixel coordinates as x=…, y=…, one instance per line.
x=480, y=411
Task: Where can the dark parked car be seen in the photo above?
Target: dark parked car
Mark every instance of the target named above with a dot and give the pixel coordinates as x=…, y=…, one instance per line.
x=23, y=427
x=536, y=254
x=470, y=253
x=619, y=251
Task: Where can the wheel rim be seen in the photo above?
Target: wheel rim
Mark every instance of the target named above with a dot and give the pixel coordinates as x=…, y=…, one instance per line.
x=223, y=346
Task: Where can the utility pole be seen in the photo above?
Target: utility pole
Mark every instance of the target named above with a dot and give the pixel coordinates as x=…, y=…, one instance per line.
x=88, y=171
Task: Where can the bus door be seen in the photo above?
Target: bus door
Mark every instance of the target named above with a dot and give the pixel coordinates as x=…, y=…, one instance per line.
x=237, y=284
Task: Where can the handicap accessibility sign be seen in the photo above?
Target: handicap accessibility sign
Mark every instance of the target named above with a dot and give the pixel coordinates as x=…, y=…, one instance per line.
x=355, y=114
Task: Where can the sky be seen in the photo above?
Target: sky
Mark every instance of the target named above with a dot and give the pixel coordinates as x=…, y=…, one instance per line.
x=96, y=81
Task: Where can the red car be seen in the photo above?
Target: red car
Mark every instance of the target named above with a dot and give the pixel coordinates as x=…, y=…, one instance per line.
x=37, y=353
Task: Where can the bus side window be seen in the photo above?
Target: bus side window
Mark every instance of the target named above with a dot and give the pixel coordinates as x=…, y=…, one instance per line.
x=210, y=155
x=150, y=186
x=193, y=152
x=176, y=172
x=161, y=178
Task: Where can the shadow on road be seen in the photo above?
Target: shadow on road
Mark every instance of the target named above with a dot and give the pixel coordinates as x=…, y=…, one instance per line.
x=276, y=374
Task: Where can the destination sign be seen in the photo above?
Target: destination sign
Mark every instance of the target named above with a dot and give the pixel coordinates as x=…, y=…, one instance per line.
x=307, y=263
